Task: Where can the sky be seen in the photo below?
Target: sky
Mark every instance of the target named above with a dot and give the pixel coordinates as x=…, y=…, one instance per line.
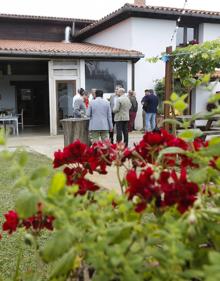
x=90, y=9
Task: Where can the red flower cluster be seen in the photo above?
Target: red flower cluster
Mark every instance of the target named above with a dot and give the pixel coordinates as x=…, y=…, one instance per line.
x=153, y=142
x=80, y=159
x=11, y=223
x=74, y=153
x=39, y=222
x=36, y=222
x=167, y=190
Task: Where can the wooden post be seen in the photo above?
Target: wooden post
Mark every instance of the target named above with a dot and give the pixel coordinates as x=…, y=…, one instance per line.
x=168, y=86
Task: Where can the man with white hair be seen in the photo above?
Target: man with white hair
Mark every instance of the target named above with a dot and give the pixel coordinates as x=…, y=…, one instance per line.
x=121, y=111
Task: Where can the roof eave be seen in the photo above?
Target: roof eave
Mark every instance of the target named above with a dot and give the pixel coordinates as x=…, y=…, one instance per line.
x=44, y=18
x=126, y=12
x=132, y=57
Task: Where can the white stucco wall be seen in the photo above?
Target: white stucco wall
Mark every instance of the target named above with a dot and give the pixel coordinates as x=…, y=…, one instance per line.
x=149, y=36
x=200, y=98
x=208, y=31
x=118, y=36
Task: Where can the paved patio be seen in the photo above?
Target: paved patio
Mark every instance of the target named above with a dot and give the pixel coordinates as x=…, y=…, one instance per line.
x=47, y=145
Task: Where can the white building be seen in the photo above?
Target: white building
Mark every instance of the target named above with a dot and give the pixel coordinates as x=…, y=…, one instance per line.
x=149, y=30
x=40, y=71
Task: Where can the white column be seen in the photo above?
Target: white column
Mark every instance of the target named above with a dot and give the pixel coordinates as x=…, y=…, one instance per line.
x=52, y=100
x=82, y=74
x=129, y=76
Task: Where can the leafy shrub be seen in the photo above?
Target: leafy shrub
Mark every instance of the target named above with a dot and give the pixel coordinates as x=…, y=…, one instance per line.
x=163, y=226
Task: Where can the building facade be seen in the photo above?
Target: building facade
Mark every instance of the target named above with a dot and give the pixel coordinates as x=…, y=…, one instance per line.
x=149, y=30
x=44, y=60
x=41, y=68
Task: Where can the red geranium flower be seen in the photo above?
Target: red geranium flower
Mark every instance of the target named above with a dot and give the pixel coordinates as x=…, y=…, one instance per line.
x=85, y=185
x=11, y=223
x=38, y=222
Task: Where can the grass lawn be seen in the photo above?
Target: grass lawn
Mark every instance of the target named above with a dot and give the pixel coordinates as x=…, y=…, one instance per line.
x=10, y=245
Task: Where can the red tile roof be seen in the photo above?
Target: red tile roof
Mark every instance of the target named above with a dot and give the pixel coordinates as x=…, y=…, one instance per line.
x=42, y=18
x=144, y=10
x=50, y=49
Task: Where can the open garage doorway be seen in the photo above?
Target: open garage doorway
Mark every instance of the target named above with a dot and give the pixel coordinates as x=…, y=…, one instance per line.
x=25, y=92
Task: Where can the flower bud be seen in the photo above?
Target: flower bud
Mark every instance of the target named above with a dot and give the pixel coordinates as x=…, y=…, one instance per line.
x=28, y=239
x=136, y=200
x=192, y=217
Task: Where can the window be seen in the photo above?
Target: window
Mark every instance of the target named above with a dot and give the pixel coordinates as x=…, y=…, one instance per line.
x=186, y=34
x=105, y=75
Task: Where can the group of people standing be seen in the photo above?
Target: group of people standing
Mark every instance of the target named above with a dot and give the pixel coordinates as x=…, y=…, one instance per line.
x=120, y=111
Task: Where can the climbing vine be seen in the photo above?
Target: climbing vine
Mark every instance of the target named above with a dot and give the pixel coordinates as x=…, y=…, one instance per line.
x=196, y=61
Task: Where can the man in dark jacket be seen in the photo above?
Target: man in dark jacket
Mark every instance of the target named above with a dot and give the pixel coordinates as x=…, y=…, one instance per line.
x=150, y=103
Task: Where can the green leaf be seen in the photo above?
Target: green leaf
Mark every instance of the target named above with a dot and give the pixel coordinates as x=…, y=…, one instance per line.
x=22, y=158
x=57, y=184
x=2, y=137
x=212, y=271
x=26, y=204
x=63, y=266
x=206, y=78
x=192, y=274
x=214, y=98
x=217, y=162
x=199, y=175
x=172, y=121
x=205, y=56
x=174, y=97
x=168, y=102
x=211, y=150
x=214, y=141
x=57, y=245
x=214, y=257
x=183, y=97
x=170, y=150
x=190, y=135
x=180, y=105
x=40, y=173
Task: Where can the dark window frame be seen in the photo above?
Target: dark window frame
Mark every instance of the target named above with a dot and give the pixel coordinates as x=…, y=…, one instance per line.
x=195, y=35
x=110, y=60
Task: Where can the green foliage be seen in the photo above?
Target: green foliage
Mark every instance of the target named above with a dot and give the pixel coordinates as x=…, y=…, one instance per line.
x=10, y=247
x=2, y=137
x=194, y=60
x=193, y=66
x=57, y=184
x=100, y=237
x=26, y=204
x=121, y=244
x=212, y=271
x=160, y=91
